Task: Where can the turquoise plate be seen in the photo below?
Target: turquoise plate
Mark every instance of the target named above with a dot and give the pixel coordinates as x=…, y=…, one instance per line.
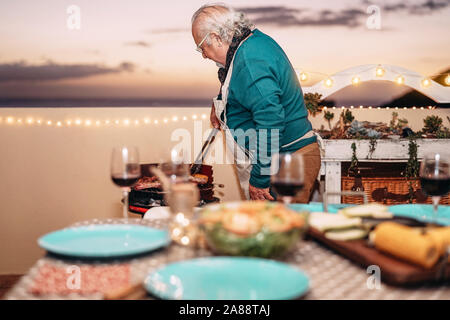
x=227, y=278
x=422, y=212
x=318, y=207
x=102, y=241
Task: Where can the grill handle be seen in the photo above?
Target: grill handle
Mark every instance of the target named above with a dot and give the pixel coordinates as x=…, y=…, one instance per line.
x=195, y=168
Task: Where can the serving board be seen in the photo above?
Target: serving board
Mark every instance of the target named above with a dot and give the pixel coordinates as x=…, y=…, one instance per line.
x=393, y=270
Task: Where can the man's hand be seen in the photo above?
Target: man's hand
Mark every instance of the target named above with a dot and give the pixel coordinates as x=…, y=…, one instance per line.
x=259, y=194
x=214, y=121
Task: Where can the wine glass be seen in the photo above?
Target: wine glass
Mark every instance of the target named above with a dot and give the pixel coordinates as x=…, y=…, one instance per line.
x=287, y=175
x=182, y=197
x=435, y=179
x=125, y=171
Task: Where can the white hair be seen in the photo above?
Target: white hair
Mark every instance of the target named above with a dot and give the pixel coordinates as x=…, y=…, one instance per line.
x=221, y=19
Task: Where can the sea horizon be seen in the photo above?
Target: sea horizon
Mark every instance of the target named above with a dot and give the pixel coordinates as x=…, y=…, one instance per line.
x=16, y=102
x=102, y=102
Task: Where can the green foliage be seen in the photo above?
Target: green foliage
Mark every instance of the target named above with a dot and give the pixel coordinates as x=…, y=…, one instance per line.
x=354, y=164
x=432, y=124
x=372, y=146
x=443, y=133
x=396, y=124
x=328, y=116
x=412, y=166
x=312, y=103
x=347, y=116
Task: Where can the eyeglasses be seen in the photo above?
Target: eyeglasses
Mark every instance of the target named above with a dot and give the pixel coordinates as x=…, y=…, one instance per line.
x=199, y=46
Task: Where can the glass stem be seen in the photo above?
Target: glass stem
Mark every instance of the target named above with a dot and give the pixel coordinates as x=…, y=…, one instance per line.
x=435, y=200
x=286, y=200
x=125, y=203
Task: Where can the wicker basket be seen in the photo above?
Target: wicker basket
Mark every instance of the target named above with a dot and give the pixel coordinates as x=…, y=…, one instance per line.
x=387, y=190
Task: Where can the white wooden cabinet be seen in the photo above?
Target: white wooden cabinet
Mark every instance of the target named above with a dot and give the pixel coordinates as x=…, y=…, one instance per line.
x=386, y=150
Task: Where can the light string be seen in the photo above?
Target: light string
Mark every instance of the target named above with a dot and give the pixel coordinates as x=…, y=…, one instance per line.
x=380, y=71
x=79, y=122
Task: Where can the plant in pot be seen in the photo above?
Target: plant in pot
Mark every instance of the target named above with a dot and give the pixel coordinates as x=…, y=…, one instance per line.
x=432, y=124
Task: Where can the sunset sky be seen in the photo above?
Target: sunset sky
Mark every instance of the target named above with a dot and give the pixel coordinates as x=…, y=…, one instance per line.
x=144, y=49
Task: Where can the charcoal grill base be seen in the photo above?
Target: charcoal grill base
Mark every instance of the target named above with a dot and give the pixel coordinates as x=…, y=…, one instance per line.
x=142, y=200
x=140, y=207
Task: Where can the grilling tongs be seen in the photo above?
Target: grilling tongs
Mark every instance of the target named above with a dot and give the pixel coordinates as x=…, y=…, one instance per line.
x=196, y=166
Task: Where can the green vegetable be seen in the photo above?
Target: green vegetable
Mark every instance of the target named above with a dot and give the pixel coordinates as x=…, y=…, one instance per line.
x=264, y=244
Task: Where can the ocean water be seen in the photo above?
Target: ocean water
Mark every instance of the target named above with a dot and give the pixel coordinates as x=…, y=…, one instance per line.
x=101, y=103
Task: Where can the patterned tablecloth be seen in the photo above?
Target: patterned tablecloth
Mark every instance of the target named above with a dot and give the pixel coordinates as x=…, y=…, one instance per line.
x=331, y=276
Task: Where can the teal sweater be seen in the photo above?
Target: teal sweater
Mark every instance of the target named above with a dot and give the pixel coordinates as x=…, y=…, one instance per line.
x=265, y=107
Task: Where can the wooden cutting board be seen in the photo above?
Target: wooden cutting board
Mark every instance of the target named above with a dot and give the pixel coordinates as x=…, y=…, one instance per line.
x=393, y=270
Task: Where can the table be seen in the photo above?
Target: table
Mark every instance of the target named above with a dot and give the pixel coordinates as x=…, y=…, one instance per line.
x=331, y=276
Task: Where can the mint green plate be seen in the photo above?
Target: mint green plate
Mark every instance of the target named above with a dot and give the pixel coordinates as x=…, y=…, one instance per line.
x=227, y=278
x=103, y=241
x=422, y=212
x=318, y=207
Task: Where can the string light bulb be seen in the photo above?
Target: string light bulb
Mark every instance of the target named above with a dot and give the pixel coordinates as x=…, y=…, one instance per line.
x=400, y=80
x=303, y=76
x=447, y=80
x=426, y=83
x=379, y=71
x=328, y=82
x=356, y=80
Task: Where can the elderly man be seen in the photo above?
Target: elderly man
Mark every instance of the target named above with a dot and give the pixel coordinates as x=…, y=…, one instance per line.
x=260, y=106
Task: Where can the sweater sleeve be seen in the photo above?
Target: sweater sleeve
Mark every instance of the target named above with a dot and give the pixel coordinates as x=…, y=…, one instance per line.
x=260, y=93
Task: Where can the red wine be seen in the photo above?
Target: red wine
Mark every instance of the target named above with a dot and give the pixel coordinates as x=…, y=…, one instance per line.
x=287, y=188
x=125, y=182
x=435, y=187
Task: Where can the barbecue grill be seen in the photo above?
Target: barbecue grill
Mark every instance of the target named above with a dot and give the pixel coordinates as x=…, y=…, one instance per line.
x=142, y=200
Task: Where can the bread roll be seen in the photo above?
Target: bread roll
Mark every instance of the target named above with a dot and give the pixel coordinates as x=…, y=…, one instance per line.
x=408, y=244
x=442, y=236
